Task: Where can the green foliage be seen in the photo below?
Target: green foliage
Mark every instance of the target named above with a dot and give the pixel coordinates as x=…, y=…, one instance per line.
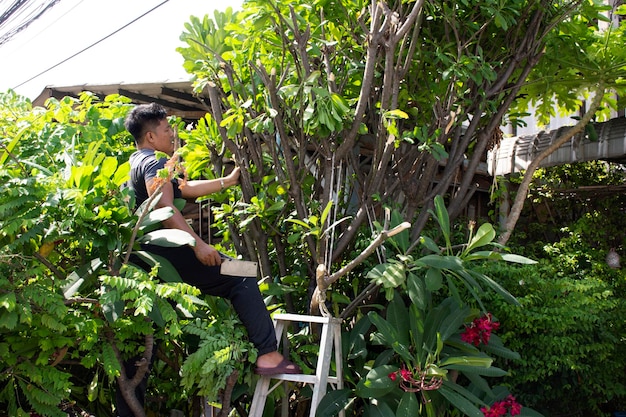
x=418, y=359
x=221, y=351
x=569, y=326
x=558, y=84
x=73, y=304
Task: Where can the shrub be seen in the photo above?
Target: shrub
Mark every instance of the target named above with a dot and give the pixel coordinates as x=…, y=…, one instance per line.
x=569, y=328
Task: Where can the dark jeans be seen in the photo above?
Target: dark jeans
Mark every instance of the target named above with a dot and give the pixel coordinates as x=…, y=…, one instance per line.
x=243, y=293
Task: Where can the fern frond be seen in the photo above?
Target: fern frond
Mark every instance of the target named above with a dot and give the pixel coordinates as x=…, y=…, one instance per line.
x=110, y=362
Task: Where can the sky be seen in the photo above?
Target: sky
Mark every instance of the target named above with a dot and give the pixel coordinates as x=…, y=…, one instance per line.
x=144, y=51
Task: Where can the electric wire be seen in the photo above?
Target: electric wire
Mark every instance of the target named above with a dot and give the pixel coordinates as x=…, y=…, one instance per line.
x=49, y=25
x=16, y=10
x=91, y=46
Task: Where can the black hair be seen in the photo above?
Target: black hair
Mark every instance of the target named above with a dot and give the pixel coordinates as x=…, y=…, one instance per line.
x=143, y=118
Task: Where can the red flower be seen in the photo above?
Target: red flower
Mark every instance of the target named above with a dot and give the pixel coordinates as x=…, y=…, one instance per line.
x=393, y=376
x=500, y=408
x=479, y=331
x=405, y=374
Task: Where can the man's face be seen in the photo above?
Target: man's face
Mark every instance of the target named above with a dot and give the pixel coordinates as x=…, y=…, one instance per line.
x=162, y=138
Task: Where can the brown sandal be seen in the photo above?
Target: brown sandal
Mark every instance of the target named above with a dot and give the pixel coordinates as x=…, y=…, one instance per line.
x=284, y=367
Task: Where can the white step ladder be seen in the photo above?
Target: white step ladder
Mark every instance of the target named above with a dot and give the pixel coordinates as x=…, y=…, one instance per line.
x=330, y=337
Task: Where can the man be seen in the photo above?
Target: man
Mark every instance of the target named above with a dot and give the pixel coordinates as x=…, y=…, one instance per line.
x=198, y=265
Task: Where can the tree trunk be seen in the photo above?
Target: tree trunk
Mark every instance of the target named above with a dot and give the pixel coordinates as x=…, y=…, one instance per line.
x=522, y=192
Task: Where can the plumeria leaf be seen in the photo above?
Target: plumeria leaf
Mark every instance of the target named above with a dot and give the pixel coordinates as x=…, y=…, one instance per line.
x=408, y=407
x=491, y=371
x=377, y=382
x=397, y=316
x=441, y=214
x=434, y=279
x=496, y=347
x=510, y=257
x=482, y=361
x=496, y=287
x=484, y=235
x=430, y=244
x=459, y=401
x=155, y=217
x=168, y=238
x=453, y=263
x=333, y=402
x=417, y=291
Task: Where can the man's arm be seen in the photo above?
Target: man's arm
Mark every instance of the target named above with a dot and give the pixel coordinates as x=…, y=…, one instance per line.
x=198, y=188
x=205, y=253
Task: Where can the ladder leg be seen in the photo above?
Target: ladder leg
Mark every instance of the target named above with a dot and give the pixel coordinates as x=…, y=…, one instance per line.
x=323, y=366
x=330, y=339
x=259, y=398
x=338, y=359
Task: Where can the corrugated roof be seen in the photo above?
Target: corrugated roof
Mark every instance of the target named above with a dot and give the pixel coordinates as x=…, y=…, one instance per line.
x=176, y=96
x=514, y=154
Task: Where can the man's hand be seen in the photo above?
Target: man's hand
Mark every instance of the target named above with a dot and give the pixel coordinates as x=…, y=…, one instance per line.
x=207, y=254
x=233, y=177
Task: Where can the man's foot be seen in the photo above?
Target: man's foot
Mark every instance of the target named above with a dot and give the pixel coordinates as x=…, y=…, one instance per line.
x=274, y=363
x=284, y=367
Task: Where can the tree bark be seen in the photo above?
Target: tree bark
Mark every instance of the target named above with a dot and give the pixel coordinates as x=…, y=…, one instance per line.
x=522, y=192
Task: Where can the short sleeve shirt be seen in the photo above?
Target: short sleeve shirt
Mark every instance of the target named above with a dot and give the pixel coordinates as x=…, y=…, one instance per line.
x=143, y=167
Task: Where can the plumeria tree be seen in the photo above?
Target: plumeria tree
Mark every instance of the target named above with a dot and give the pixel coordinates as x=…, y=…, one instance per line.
x=340, y=111
x=359, y=106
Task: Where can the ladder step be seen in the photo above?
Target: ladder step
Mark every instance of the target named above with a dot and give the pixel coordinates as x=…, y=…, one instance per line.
x=307, y=379
x=330, y=340
x=301, y=318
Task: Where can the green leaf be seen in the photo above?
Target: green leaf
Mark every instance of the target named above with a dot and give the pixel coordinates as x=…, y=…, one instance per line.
x=167, y=272
x=357, y=346
x=155, y=217
x=8, y=319
x=326, y=212
x=417, y=330
x=529, y=412
x=380, y=409
x=491, y=371
x=396, y=114
x=108, y=166
x=453, y=263
x=408, y=407
x=460, y=402
x=441, y=214
x=496, y=287
x=389, y=275
x=377, y=382
x=496, y=347
x=484, y=236
x=12, y=144
x=430, y=244
x=113, y=311
x=398, y=318
x=509, y=257
x=75, y=280
x=111, y=365
x=333, y=402
x=168, y=238
x=482, y=361
x=434, y=279
x=8, y=301
x=417, y=291
x=92, y=389
x=388, y=332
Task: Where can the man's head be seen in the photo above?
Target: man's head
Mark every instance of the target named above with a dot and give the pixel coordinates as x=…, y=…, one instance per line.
x=148, y=125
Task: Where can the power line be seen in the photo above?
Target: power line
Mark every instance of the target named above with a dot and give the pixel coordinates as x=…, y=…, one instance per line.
x=50, y=24
x=92, y=45
x=18, y=8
